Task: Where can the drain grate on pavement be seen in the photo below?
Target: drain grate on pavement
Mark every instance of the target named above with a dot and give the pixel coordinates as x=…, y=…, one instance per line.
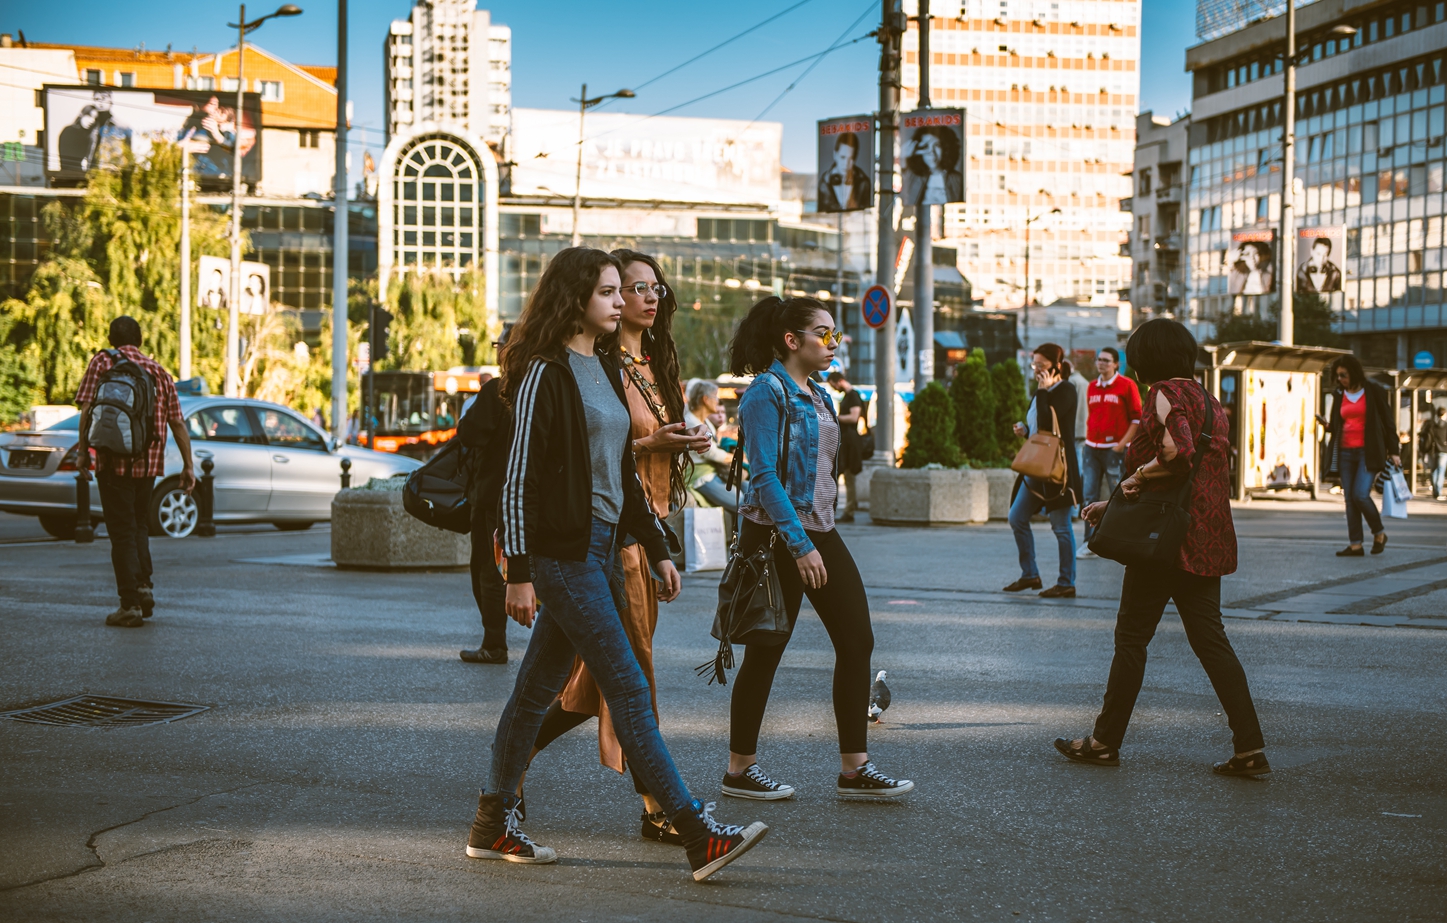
x=101, y=711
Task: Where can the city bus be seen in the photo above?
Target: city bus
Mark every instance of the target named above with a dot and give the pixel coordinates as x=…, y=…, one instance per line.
x=415, y=413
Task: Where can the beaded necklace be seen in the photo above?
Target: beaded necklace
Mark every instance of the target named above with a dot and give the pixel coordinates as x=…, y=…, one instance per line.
x=633, y=366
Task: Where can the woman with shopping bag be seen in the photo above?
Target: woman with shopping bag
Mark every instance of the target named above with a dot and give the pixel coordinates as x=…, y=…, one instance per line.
x=1363, y=440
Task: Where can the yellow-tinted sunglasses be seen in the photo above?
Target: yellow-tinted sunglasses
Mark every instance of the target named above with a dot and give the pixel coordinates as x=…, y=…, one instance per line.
x=830, y=340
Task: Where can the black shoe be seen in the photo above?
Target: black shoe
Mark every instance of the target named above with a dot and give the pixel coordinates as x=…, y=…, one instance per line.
x=1350, y=552
x=1379, y=543
x=1085, y=753
x=1253, y=765
x=126, y=618
x=868, y=782
x=1024, y=583
x=496, y=835
x=657, y=829
x=148, y=601
x=753, y=784
x=1059, y=592
x=712, y=845
x=484, y=655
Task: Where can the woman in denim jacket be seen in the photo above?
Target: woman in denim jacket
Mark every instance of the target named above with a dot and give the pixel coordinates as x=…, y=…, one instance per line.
x=791, y=437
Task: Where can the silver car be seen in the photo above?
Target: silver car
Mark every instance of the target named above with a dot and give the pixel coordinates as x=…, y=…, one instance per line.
x=271, y=465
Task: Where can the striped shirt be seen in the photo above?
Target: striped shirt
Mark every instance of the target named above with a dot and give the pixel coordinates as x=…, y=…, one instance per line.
x=826, y=488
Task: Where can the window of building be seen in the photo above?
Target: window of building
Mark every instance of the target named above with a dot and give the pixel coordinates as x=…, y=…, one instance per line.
x=435, y=212
x=230, y=84
x=93, y=77
x=270, y=90
x=310, y=137
x=200, y=83
x=126, y=79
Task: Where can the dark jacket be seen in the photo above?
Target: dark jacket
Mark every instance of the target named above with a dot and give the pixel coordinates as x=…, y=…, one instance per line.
x=1437, y=434
x=547, y=498
x=1063, y=399
x=486, y=430
x=1380, y=437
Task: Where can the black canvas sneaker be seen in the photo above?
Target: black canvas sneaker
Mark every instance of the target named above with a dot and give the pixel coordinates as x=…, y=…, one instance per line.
x=496, y=834
x=752, y=783
x=869, y=782
x=712, y=845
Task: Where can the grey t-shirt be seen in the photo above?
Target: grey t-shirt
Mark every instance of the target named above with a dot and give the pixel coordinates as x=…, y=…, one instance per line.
x=608, y=428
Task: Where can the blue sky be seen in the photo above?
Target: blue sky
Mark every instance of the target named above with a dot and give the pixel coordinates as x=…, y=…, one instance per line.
x=558, y=44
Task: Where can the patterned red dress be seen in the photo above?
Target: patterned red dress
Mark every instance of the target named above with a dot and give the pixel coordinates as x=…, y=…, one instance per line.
x=1210, y=546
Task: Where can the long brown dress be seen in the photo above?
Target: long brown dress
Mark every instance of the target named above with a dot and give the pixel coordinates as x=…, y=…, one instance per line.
x=640, y=619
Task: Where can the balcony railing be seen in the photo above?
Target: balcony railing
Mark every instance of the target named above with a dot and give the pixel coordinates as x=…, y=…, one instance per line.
x=1170, y=195
x=1168, y=242
x=1127, y=203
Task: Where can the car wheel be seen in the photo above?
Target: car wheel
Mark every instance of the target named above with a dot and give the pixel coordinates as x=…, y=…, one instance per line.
x=61, y=525
x=173, y=511
x=292, y=526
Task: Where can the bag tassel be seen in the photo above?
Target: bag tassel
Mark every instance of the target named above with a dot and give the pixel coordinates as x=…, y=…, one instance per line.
x=723, y=661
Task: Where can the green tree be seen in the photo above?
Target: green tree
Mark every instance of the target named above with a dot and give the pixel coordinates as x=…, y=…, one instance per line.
x=1011, y=404
x=1311, y=324
x=431, y=312
x=19, y=369
x=931, y=436
x=973, y=394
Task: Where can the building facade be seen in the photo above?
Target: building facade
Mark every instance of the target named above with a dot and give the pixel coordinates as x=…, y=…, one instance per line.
x=448, y=63
x=1369, y=157
x=1050, y=89
x=1156, y=207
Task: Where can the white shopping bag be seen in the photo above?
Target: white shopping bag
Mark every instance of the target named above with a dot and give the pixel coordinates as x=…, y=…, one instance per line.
x=1398, y=482
x=1393, y=506
x=704, y=547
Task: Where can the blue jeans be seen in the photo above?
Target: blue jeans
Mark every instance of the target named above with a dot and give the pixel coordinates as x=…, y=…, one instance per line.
x=714, y=491
x=1356, y=487
x=579, y=616
x=1100, y=469
x=1027, y=504
x=1438, y=473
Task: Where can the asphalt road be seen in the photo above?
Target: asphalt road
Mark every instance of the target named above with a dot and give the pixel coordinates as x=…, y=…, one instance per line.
x=335, y=774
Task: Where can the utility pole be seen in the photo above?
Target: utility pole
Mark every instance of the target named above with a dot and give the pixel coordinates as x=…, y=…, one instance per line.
x=185, y=331
x=340, y=254
x=1286, y=278
x=578, y=175
x=233, y=296
x=890, y=31
x=924, y=263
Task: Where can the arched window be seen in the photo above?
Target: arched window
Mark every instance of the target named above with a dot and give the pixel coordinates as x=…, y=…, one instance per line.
x=437, y=206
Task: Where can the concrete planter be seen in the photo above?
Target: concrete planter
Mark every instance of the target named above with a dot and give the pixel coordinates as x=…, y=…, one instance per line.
x=1001, y=481
x=371, y=531
x=925, y=496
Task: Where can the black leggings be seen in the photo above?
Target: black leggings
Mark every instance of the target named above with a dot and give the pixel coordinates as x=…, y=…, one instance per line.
x=843, y=609
x=559, y=721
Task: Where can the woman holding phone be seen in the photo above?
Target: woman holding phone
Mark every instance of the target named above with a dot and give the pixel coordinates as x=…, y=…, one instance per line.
x=571, y=494
x=787, y=418
x=643, y=347
x=1051, y=410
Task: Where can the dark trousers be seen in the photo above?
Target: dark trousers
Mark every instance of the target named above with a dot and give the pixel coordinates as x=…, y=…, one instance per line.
x=844, y=610
x=488, y=587
x=126, y=504
x=1143, y=597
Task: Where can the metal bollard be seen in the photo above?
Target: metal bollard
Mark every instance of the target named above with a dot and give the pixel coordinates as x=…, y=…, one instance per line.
x=346, y=473
x=206, y=501
x=84, y=532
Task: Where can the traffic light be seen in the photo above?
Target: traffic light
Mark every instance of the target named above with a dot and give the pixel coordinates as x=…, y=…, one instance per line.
x=381, y=322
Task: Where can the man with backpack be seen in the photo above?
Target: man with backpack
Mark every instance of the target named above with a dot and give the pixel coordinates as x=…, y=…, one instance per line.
x=126, y=402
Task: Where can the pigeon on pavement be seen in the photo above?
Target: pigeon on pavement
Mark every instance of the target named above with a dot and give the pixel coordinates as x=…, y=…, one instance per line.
x=878, y=698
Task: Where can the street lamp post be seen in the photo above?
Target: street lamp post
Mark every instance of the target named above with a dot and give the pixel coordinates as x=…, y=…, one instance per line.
x=233, y=301
x=1028, y=294
x=185, y=345
x=924, y=221
x=584, y=104
x=340, y=246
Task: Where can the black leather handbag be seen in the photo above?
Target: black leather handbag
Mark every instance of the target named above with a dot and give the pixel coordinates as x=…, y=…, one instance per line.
x=436, y=493
x=1151, y=528
x=751, y=607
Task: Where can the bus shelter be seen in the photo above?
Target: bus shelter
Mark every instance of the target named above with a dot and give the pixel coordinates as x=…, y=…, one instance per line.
x=1420, y=387
x=1272, y=395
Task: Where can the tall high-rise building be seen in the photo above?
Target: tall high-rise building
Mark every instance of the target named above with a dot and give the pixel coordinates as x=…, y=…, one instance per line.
x=1051, y=90
x=449, y=64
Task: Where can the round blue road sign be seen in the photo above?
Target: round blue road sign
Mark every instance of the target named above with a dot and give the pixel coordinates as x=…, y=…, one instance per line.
x=875, y=306
x=1423, y=360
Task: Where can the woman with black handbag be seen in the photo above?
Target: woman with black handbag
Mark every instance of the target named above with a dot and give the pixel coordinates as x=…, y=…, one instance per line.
x=1163, y=455
x=1052, y=410
x=570, y=495
x=787, y=419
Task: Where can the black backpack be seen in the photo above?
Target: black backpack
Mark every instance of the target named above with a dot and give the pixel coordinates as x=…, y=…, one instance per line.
x=436, y=493
x=122, y=415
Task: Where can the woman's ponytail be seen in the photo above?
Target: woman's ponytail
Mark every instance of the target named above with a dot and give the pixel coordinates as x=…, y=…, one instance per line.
x=760, y=336
x=1055, y=355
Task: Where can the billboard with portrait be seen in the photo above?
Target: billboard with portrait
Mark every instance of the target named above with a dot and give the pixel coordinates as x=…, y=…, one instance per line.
x=89, y=127
x=932, y=155
x=213, y=287
x=1251, y=263
x=846, y=164
x=1319, y=253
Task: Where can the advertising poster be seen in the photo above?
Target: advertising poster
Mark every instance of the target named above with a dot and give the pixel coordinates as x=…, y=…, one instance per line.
x=1280, y=436
x=846, y=164
x=1250, y=263
x=1319, y=253
x=932, y=152
x=214, y=286
x=89, y=127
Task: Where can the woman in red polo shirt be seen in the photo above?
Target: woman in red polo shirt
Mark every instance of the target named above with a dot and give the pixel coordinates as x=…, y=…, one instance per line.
x=1362, y=436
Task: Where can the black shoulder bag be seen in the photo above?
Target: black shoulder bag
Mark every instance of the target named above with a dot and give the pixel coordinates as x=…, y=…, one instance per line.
x=1151, y=528
x=751, y=606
